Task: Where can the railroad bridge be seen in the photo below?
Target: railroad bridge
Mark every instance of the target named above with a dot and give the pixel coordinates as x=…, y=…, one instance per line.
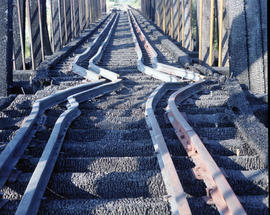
x=133, y=107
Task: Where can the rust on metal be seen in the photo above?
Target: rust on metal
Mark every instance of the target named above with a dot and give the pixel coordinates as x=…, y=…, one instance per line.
x=178, y=201
x=219, y=190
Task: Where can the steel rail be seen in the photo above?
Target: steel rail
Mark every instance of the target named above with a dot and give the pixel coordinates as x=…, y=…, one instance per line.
x=171, y=70
x=206, y=169
x=82, y=56
x=177, y=199
x=92, y=62
x=148, y=47
x=87, y=73
x=143, y=68
x=37, y=185
x=15, y=148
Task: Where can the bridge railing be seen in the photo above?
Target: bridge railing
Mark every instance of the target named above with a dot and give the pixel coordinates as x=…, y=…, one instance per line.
x=52, y=24
x=230, y=35
x=33, y=29
x=195, y=25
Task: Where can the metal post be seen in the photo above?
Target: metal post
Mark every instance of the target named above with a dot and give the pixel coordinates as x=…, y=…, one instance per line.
x=60, y=24
x=164, y=15
x=65, y=20
x=211, y=33
x=220, y=34
x=191, y=29
x=90, y=10
x=179, y=21
x=52, y=28
x=71, y=19
x=200, y=30
x=40, y=31
x=86, y=13
x=30, y=32
x=171, y=30
x=80, y=15
x=21, y=33
x=13, y=59
x=183, y=23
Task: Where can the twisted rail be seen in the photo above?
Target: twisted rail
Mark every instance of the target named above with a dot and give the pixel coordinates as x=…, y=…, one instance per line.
x=177, y=200
x=37, y=185
x=164, y=68
x=206, y=169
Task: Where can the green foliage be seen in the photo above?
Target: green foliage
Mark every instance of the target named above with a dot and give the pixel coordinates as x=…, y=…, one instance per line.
x=123, y=3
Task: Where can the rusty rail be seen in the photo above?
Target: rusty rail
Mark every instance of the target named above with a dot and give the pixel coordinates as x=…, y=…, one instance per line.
x=218, y=189
x=177, y=200
x=141, y=67
x=164, y=68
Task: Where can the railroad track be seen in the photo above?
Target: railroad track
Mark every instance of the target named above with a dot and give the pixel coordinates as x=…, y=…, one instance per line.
x=60, y=76
x=136, y=186
x=93, y=151
x=208, y=109
x=221, y=120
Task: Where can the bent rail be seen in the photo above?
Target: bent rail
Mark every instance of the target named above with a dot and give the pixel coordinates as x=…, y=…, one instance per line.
x=143, y=68
x=15, y=148
x=98, y=70
x=206, y=168
x=171, y=70
x=90, y=74
x=36, y=187
x=178, y=201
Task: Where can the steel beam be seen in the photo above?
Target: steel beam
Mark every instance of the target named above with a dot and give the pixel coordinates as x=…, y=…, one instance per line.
x=68, y=20
x=6, y=12
x=17, y=22
x=158, y=12
x=76, y=17
x=167, y=15
x=56, y=24
x=186, y=25
x=35, y=36
x=205, y=40
x=45, y=32
x=175, y=15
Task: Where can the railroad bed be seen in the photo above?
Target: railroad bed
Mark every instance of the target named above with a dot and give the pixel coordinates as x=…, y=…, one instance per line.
x=107, y=162
x=110, y=162
x=219, y=124
x=61, y=78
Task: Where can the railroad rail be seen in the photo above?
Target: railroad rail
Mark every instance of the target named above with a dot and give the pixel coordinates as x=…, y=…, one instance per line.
x=87, y=149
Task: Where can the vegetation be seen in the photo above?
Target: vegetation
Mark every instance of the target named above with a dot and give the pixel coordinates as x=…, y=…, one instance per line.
x=123, y=3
